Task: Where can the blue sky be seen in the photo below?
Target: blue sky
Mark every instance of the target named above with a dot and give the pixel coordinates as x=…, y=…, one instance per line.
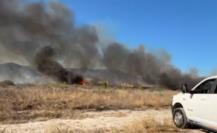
x=187, y=29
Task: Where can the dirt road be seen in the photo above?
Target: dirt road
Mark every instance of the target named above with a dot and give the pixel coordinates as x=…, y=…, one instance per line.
x=105, y=121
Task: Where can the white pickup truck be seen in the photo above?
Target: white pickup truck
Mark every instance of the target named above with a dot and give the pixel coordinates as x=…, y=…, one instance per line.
x=197, y=106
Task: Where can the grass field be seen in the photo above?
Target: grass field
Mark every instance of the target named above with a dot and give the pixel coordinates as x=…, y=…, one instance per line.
x=18, y=103
x=24, y=103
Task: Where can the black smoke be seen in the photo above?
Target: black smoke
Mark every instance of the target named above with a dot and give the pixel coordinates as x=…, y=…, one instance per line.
x=46, y=37
x=153, y=68
x=45, y=63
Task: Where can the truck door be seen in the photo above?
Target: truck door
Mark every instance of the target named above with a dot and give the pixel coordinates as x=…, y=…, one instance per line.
x=210, y=109
x=200, y=102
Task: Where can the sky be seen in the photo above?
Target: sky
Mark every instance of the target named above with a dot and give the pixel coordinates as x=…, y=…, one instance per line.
x=186, y=29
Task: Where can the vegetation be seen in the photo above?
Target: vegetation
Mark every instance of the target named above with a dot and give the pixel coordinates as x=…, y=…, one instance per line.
x=21, y=103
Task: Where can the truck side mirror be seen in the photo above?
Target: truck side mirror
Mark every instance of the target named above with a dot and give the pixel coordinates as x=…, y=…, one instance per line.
x=184, y=88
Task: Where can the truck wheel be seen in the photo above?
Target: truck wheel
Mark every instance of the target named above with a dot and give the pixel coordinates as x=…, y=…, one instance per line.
x=179, y=118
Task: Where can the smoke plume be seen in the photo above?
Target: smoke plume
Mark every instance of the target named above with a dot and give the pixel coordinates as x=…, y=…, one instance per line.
x=46, y=37
x=45, y=63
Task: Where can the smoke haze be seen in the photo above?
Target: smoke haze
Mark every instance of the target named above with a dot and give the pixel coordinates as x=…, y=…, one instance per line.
x=46, y=37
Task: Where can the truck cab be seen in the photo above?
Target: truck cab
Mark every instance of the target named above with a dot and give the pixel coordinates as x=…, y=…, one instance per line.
x=197, y=106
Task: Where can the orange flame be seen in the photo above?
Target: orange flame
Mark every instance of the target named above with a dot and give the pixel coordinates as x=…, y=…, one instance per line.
x=82, y=82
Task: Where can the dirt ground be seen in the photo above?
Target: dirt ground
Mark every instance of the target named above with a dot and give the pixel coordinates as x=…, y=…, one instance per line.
x=96, y=122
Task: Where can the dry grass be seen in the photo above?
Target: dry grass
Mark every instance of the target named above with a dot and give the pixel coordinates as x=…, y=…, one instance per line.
x=20, y=103
x=151, y=125
x=145, y=125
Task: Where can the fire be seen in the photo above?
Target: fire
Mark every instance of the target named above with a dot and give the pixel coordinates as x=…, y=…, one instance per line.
x=82, y=82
